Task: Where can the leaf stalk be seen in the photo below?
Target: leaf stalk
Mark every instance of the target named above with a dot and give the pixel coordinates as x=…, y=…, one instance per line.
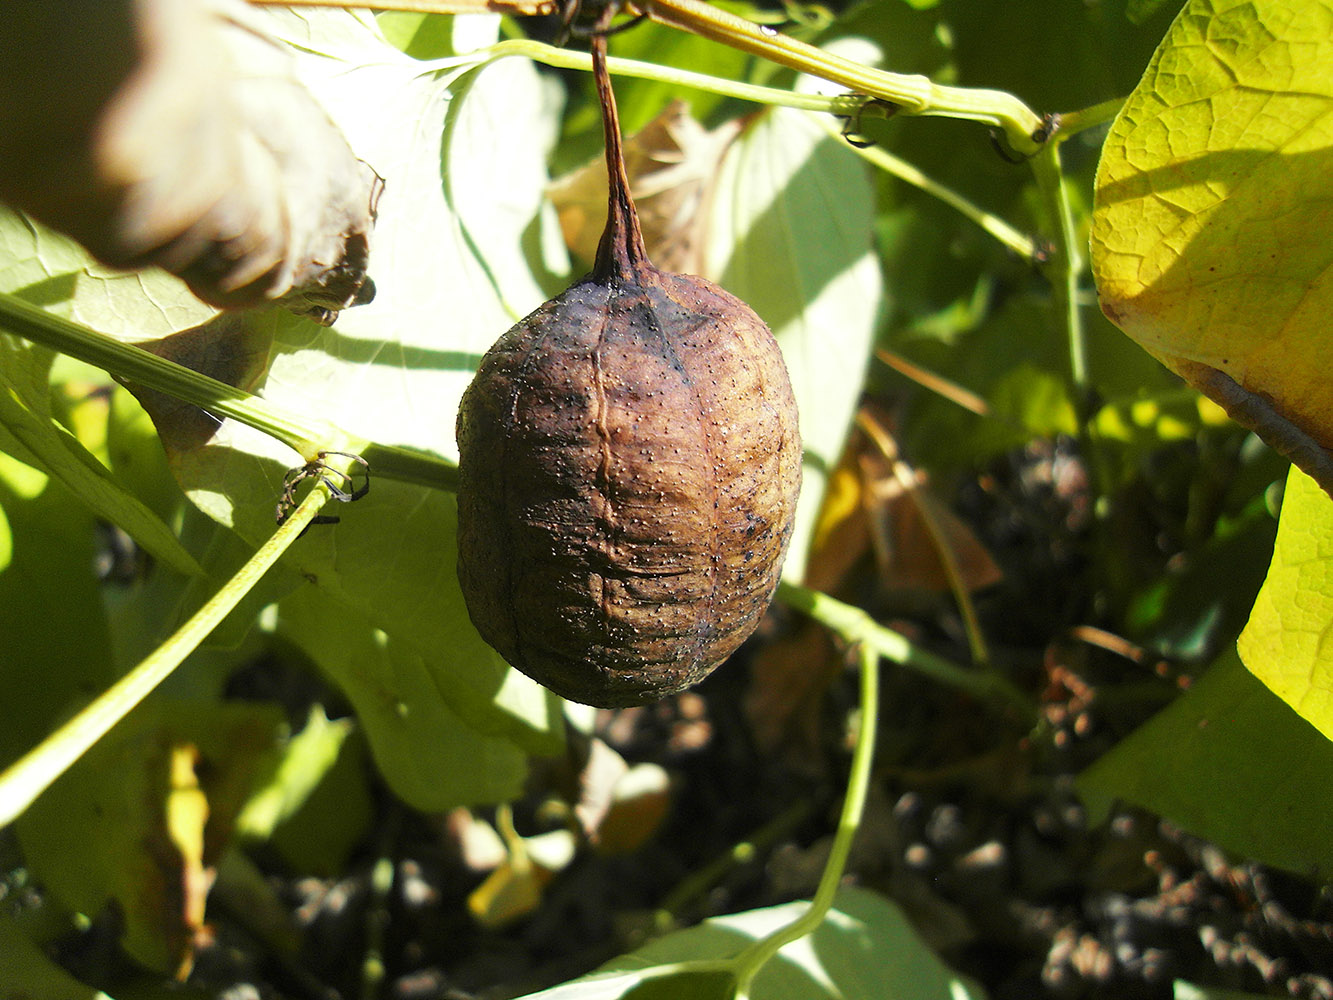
x=133, y=364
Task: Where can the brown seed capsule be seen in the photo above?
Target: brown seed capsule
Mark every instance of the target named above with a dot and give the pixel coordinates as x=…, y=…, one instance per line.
x=629, y=464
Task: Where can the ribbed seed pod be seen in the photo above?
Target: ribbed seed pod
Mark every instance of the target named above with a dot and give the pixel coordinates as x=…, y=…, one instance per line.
x=629, y=464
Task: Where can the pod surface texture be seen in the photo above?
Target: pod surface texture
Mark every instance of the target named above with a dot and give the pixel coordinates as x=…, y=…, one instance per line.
x=630, y=463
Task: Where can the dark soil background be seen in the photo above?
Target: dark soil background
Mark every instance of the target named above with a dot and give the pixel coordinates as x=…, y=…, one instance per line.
x=973, y=825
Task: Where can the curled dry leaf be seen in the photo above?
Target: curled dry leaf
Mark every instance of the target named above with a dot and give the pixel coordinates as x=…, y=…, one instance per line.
x=672, y=164
x=225, y=348
x=892, y=513
x=185, y=141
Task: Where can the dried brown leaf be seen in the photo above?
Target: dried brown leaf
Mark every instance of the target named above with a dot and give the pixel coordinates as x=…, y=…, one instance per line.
x=184, y=140
x=672, y=163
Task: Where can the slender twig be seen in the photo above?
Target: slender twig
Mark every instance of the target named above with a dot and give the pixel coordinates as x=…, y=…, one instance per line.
x=1070, y=123
x=521, y=7
x=856, y=626
x=907, y=481
x=134, y=364
x=550, y=55
x=1065, y=265
x=750, y=961
x=1015, y=239
x=911, y=94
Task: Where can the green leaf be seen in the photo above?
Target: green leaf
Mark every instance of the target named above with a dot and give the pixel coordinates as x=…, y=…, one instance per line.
x=1288, y=643
x=451, y=275
x=1214, y=183
x=49, y=580
x=332, y=823
x=1230, y=762
x=25, y=413
x=450, y=260
x=431, y=757
x=304, y=760
x=103, y=831
x=791, y=234
x=864, y=950
x=29, y=972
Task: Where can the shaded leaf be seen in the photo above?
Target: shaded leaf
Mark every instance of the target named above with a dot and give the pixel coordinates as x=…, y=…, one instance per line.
x=304, y=761
x=1214, y=185
x=1230, y=762
x=332, y=821
x=102, y=831
x=29, y=972
x=1288, y=643
x=49, y=579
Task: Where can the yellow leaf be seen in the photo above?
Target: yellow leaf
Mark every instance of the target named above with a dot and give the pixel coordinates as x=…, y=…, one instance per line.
x=1288, y=643
x=1214, y=203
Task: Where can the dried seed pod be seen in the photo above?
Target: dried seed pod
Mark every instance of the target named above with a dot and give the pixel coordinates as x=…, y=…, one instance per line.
x=629, y=464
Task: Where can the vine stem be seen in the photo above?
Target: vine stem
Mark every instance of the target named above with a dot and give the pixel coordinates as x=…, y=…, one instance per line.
x=910, y=93
x=33, y=773
x=750, y=961
x=856, y=626
x=133, y=364
x=549, y=55
x=1015, y=239
x=1067, y=263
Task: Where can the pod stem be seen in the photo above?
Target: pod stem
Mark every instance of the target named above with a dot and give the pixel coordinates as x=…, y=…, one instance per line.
x=621, y=255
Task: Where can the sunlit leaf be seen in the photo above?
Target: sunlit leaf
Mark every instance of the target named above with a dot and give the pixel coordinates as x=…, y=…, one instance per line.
x=1214, y=195
x=1288, y=643
x=430, y=756
x=864, y=949
x=449, y=264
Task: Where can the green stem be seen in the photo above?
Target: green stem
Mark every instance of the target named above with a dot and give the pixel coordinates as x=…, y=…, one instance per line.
x=1071, y=123
x=856, y=626
x=753, y=958
x=134, y=364
x=33, y=773
x=702, y=881
x=1065, y=266
x=912, y=94
x=549, y=55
